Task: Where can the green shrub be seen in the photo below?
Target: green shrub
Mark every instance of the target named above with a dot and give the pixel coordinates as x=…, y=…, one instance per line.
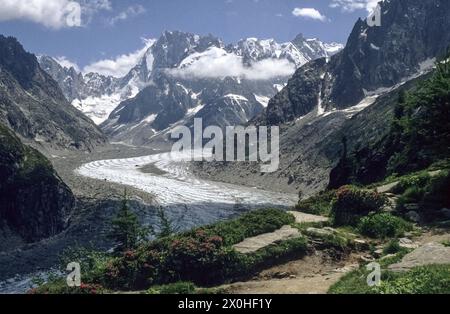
x=437, y=193
x=249, y=225
x=392, y=247
x=418, y=180
x=352, y=203
x=420, y=280
x=383, y=225
x=272, y=254
x=431, y=197
x=92, y=263
x=413, y=194
x=174, y=288
x=317, y=205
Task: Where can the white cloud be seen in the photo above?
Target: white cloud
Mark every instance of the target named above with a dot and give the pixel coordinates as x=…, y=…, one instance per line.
x=217, y=63
x=129, y=12
x=353, y=5
x=121, y=65
x=310, y=13
x=54, y=14
x=64, y=62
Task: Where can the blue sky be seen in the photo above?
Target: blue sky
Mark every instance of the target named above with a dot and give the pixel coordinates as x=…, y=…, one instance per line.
x=107, y=29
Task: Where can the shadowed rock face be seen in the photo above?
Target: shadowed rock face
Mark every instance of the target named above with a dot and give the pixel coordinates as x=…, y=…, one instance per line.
x=32, y=104
x=34, y=202
x=374, y=57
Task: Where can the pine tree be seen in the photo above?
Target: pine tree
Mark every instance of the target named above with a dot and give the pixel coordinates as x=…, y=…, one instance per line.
x=126, y=229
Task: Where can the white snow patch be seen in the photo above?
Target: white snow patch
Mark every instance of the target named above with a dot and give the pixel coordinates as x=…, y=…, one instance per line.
x=374, y=47
x=263, y=100
x=195, y=110
x=98, y=108
x=363, y=104
x=320, y=108
x=236, y=97
x=279, y=87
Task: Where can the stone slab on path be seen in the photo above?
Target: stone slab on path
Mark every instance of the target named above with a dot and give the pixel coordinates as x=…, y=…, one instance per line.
x=387, y=187
x=429, y=254
x=253, y=244
x=303, y=217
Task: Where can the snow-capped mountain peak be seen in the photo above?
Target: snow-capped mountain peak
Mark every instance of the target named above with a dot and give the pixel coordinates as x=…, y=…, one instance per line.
x=174, y=52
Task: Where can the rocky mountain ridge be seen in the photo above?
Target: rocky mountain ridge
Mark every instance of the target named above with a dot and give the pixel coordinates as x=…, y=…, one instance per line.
x=159, y=74
x=34, y=202
x=374, y=58
x=32, y=104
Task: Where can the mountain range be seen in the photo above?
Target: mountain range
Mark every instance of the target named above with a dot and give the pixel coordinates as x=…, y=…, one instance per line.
x=182, y=76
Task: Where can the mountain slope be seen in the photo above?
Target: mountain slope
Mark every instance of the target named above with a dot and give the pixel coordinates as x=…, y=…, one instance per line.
x=32, y=104
x=352, y=95
x=34, y=202
x=374, y=58
x=418, y=136
x=93, y=94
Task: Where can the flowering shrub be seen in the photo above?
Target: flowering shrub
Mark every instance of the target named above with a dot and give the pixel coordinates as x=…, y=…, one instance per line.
x=352, y=203
x=134, y=270
x=203, y=256
x=383, y=225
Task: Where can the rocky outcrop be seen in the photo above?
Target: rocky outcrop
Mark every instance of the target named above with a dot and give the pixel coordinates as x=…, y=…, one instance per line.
x=428, y=254
x=74, y=84
x=32, y=104
x=34, y=202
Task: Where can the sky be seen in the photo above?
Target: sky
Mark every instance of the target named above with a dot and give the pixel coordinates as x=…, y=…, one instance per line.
x=108, y=36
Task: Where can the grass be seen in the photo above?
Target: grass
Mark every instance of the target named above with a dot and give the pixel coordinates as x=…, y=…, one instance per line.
x=383, y=225
x=429, y=193
x=355, y=282
x=174, y=288
x=248, y=225
x=319, y=204
x=393, y=247
x=434, y=279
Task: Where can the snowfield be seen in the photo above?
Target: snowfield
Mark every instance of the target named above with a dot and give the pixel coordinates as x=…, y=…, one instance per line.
x=178, y=189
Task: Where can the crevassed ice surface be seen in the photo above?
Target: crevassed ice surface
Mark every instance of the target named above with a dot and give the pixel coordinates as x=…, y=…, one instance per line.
x=178, y=189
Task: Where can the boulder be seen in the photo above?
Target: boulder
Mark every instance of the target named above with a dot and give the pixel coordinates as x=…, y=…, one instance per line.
x=407, y=243
x=316, y=232
x=429, y=254
x=413, y=216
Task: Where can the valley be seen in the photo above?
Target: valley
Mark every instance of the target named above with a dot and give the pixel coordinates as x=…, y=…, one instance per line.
x=362, y=177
